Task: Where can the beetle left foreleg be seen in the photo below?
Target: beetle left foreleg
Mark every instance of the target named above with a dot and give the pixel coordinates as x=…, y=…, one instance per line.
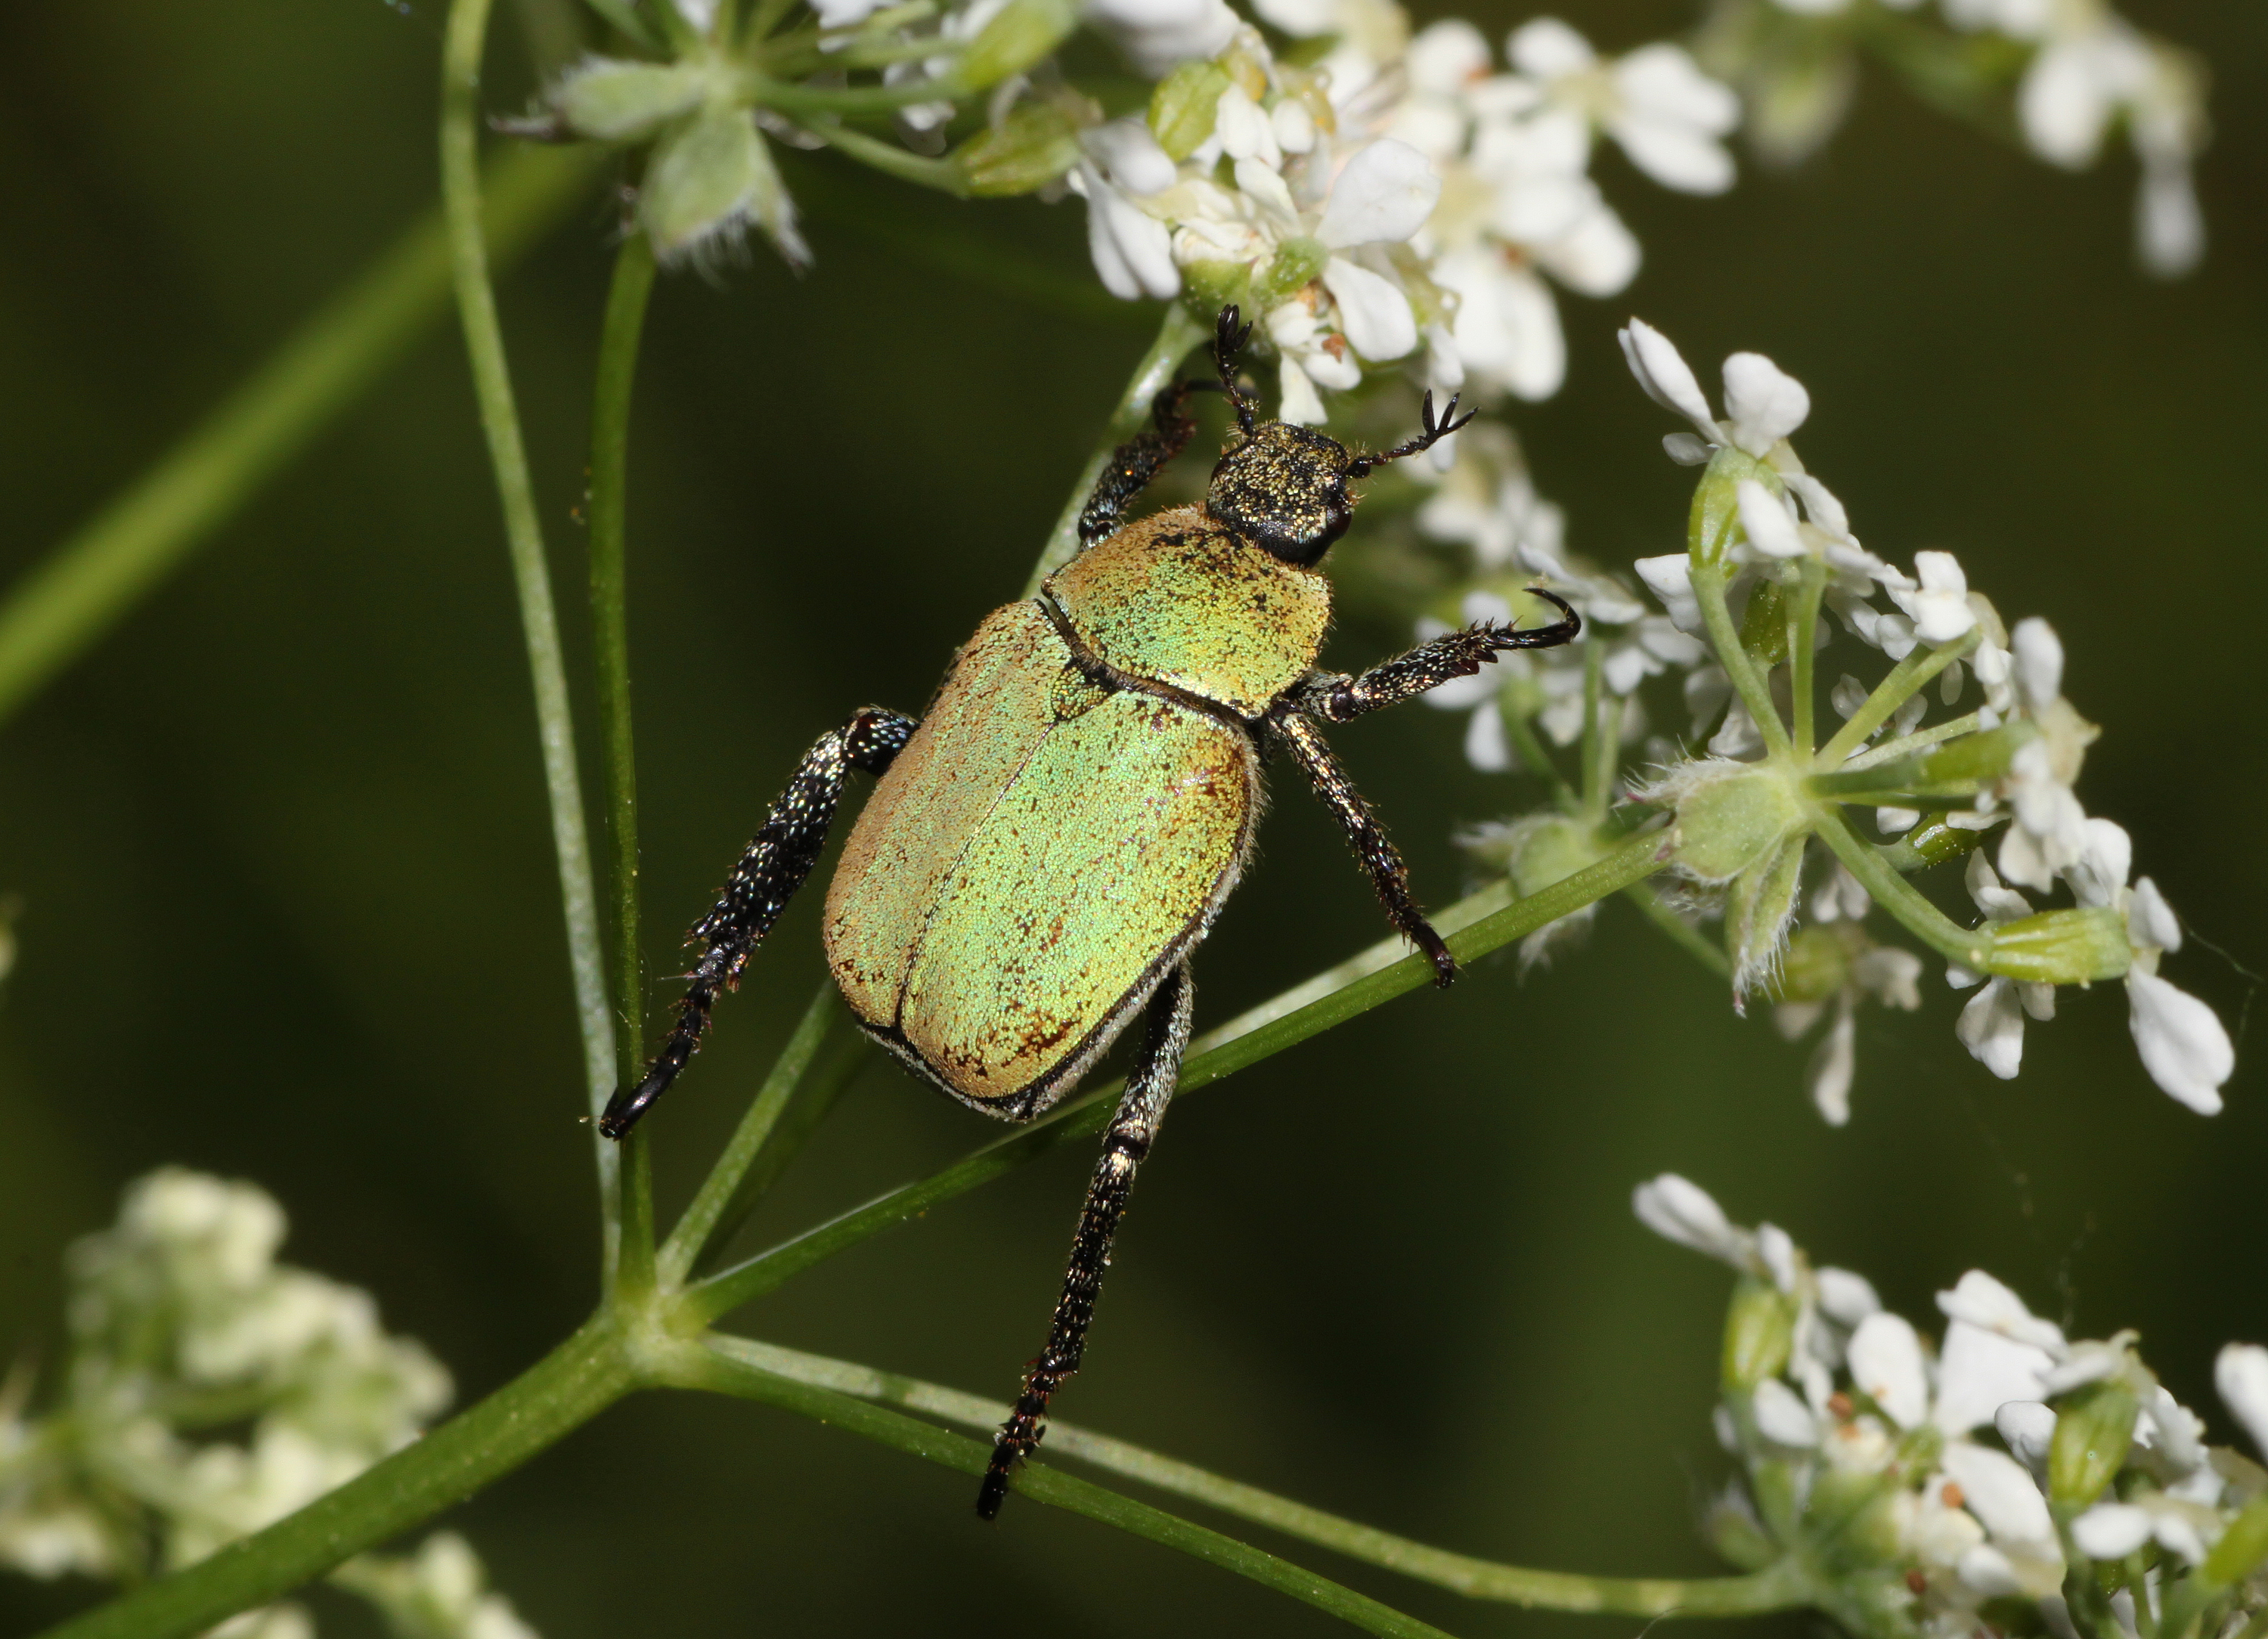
x=1388, y=874
x=771, y=869
x=1455, y=654
x=1132, y=1129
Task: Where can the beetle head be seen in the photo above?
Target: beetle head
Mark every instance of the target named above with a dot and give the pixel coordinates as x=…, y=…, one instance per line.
x=1283, y=486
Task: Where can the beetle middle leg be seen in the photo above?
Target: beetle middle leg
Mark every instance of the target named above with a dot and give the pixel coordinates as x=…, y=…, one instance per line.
x=1132, y=1130
x=771, y=869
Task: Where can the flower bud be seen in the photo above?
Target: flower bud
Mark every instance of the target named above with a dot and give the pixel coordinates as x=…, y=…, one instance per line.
x=2094, y=1428
x=709, y=175
x=1730, y=816
x=614, y=101
x=1758, y=912
x=1031, y=148
x=2062, y=947
x=1759, y=1327
x=1025, y=32
x=1183, y=107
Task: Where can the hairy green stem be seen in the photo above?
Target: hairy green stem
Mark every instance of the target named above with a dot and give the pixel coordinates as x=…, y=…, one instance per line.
x=88, y=583
x=567, y=1388
x=723, y=1370
x=1598, y=760
x=1905, y=745
x=1352, y=988
x=461, y=197
x=632, y=1265
x=1681, y=932
x=1778, y=1588
x=1178, y=331
x=941, y=174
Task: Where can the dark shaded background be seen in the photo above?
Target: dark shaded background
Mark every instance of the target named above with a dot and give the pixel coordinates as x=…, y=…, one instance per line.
x=289, y=904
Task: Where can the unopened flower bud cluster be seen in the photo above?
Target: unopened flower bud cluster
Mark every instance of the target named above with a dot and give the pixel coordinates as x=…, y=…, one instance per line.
x=182, y=1321
x=2002, y=1476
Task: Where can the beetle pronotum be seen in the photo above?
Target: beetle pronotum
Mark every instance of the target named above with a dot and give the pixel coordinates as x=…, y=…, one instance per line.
x=1047, y=846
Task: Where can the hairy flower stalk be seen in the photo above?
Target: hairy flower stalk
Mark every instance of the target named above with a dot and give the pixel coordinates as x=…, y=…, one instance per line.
x=2002, y=1477
x=1776, y=809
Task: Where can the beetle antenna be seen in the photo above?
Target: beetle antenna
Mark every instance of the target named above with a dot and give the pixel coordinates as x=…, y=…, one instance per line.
x=1228, y=340
x=1435, y=431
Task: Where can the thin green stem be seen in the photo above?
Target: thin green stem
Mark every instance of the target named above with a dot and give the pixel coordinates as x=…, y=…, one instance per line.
x=1178, y=331
x=567, y=1388
x=1899, y=897
x=850, y=101
x=1905, y=745
x=461, y=194
x=632, y=1264
x=1802, y=656
x=1740, y=665
x=722, y=1372
x=1596, y=758
x=62, y=606
x=1681, y=933
x=941, y=174
x=1535, y=756
x=1352, y=988
x=825, y=1023
x=1779, y=1588
x=1904, y=678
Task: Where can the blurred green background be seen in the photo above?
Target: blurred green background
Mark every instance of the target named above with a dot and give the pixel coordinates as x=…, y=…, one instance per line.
x=288, y=907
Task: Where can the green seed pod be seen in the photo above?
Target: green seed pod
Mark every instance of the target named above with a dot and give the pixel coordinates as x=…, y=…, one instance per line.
x=1932, y=842
x=1031, y=148
x=1015, y=40
x=2243, y=1547
x=1183, y=108
x=2094, y=1428
x=614, y=101
x=1715, y=519
x=2074, y=946
x=1764, y=625
x=1759, y=1328
x=1297, y=260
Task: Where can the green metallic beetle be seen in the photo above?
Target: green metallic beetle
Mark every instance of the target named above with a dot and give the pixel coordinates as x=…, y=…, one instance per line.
x=1048, y=846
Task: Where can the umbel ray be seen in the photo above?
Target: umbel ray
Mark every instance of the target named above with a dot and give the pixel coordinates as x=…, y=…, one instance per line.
x=1048, y=846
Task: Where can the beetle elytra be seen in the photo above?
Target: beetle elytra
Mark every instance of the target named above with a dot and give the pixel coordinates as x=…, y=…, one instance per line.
x=1049, y=844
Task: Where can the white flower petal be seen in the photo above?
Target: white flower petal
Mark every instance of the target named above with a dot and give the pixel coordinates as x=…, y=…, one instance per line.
x=2064, y=105
x=1886, y=1364
x=1763, y=403
x=1771, y=526
x=1991, y=1027
x=2110, y=1530
x=1596, y=256
x=1979, y=1371
x=1127, y=150
x=1834, y=1066
x=1386, y=193
x=2240, y=1374
x=1662, y=82
x=1996, y=1488
x=1548, y=48
x=2181, y=1041
x=1687, y=449
x=2149, y=919
x=1678, y=1209
x=1668, y=379
x=2104, y=862
x=1782, y=1418
x=2027, y=1426
x=1675, y=154
x=1847, y=1296
x=1373, y=311
x=1979, y=1299
x=1669, y=578
x=2038, y=655
x=1300, y=404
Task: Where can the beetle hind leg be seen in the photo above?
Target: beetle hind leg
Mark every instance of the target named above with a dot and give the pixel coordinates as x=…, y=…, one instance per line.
x=770, y=871
x=1132, y=1130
